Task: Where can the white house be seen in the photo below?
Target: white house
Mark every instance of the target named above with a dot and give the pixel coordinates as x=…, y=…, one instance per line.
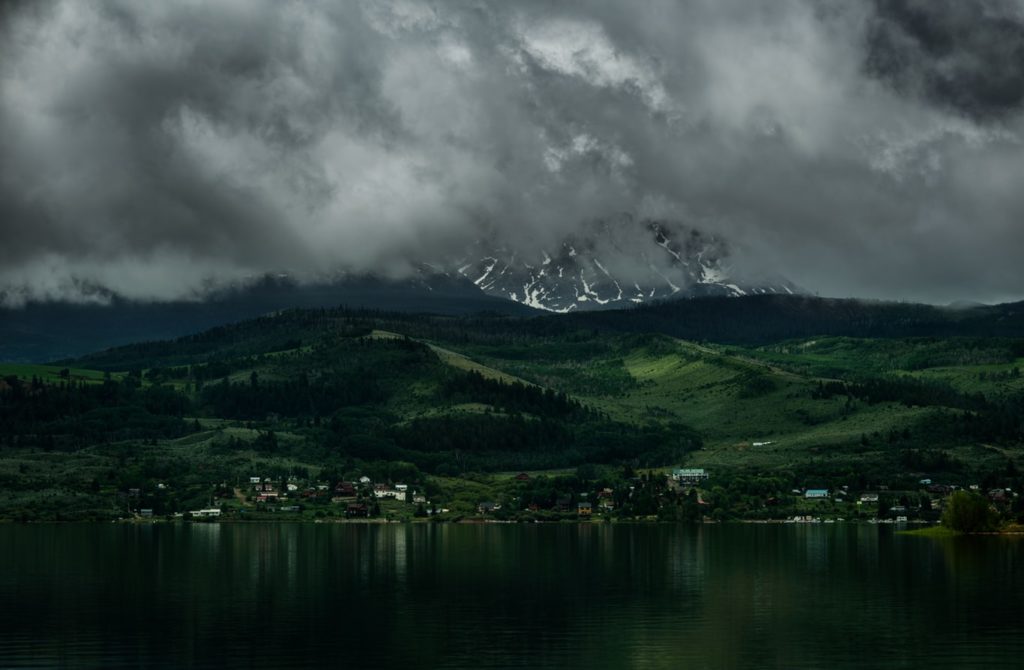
x=689, y=475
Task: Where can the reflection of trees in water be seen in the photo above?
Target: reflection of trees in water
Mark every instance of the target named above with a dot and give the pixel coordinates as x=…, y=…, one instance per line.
x=591, y=595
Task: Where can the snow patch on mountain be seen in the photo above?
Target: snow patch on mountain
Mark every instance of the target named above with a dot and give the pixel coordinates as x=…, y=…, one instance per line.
x=654, y=261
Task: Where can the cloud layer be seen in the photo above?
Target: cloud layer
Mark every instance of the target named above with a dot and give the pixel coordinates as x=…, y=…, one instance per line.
x=858, y=148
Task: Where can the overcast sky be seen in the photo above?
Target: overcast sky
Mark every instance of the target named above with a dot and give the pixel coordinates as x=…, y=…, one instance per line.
x=858, y=148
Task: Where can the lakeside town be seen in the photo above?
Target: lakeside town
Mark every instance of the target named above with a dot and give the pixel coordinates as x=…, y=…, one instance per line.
x=678, y=494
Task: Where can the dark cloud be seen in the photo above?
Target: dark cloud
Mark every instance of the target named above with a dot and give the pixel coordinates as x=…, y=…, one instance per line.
x=858, y=148
x=967, y=55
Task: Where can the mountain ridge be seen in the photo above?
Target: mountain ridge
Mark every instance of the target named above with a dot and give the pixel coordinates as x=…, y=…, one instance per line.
x=636, y=262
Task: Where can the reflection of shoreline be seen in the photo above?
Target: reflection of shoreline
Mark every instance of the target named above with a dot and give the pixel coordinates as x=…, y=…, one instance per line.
x=925, y=531
x=942, y=533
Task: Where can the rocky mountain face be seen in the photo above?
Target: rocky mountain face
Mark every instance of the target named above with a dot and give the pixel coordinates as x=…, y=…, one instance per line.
x=611, y=268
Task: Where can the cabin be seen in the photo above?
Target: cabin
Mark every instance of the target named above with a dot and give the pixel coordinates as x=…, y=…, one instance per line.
x=488, y=507
x=357, y=510
x=584, y=509
x=816, y=494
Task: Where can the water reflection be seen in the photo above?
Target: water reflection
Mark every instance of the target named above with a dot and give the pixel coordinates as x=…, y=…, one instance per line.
x=591, y=595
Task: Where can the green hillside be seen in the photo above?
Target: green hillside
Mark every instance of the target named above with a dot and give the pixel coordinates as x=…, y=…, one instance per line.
x=446, y=401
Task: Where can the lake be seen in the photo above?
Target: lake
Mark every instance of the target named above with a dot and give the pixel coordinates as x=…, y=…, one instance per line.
x=528, y=596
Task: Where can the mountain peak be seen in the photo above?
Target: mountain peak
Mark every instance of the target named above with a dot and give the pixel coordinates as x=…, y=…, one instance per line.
x=611, y=266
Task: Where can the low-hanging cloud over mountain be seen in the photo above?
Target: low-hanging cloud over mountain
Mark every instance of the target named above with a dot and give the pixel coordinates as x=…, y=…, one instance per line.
x=157, y=149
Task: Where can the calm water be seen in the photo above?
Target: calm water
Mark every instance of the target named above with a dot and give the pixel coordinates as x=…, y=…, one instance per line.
x=588, y=596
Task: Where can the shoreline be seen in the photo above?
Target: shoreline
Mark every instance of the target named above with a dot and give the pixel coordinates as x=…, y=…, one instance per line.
x=924, y=529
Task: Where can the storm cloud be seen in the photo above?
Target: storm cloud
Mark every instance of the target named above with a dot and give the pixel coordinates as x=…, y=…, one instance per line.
x=156, y=150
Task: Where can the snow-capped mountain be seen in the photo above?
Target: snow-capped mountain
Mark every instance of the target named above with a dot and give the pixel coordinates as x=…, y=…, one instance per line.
x=612, y=268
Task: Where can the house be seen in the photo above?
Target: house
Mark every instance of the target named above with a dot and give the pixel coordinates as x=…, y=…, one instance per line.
x=869, y=497
x=487, y=507
x=146, y=512
x=385, y=491
x=689, y=476
x=292, y=488
x=816, y=494
x=345, y=489
x=205, y=513
x=364, y=480
x=419, y=498
x=522, y=477
x=357, y=510
x=401, y=491
x=290, y=508
x=583, y=509
x=563, y=503
x=255, y=480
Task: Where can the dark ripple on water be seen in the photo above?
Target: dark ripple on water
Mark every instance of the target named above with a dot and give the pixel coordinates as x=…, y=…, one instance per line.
x=448, y=596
